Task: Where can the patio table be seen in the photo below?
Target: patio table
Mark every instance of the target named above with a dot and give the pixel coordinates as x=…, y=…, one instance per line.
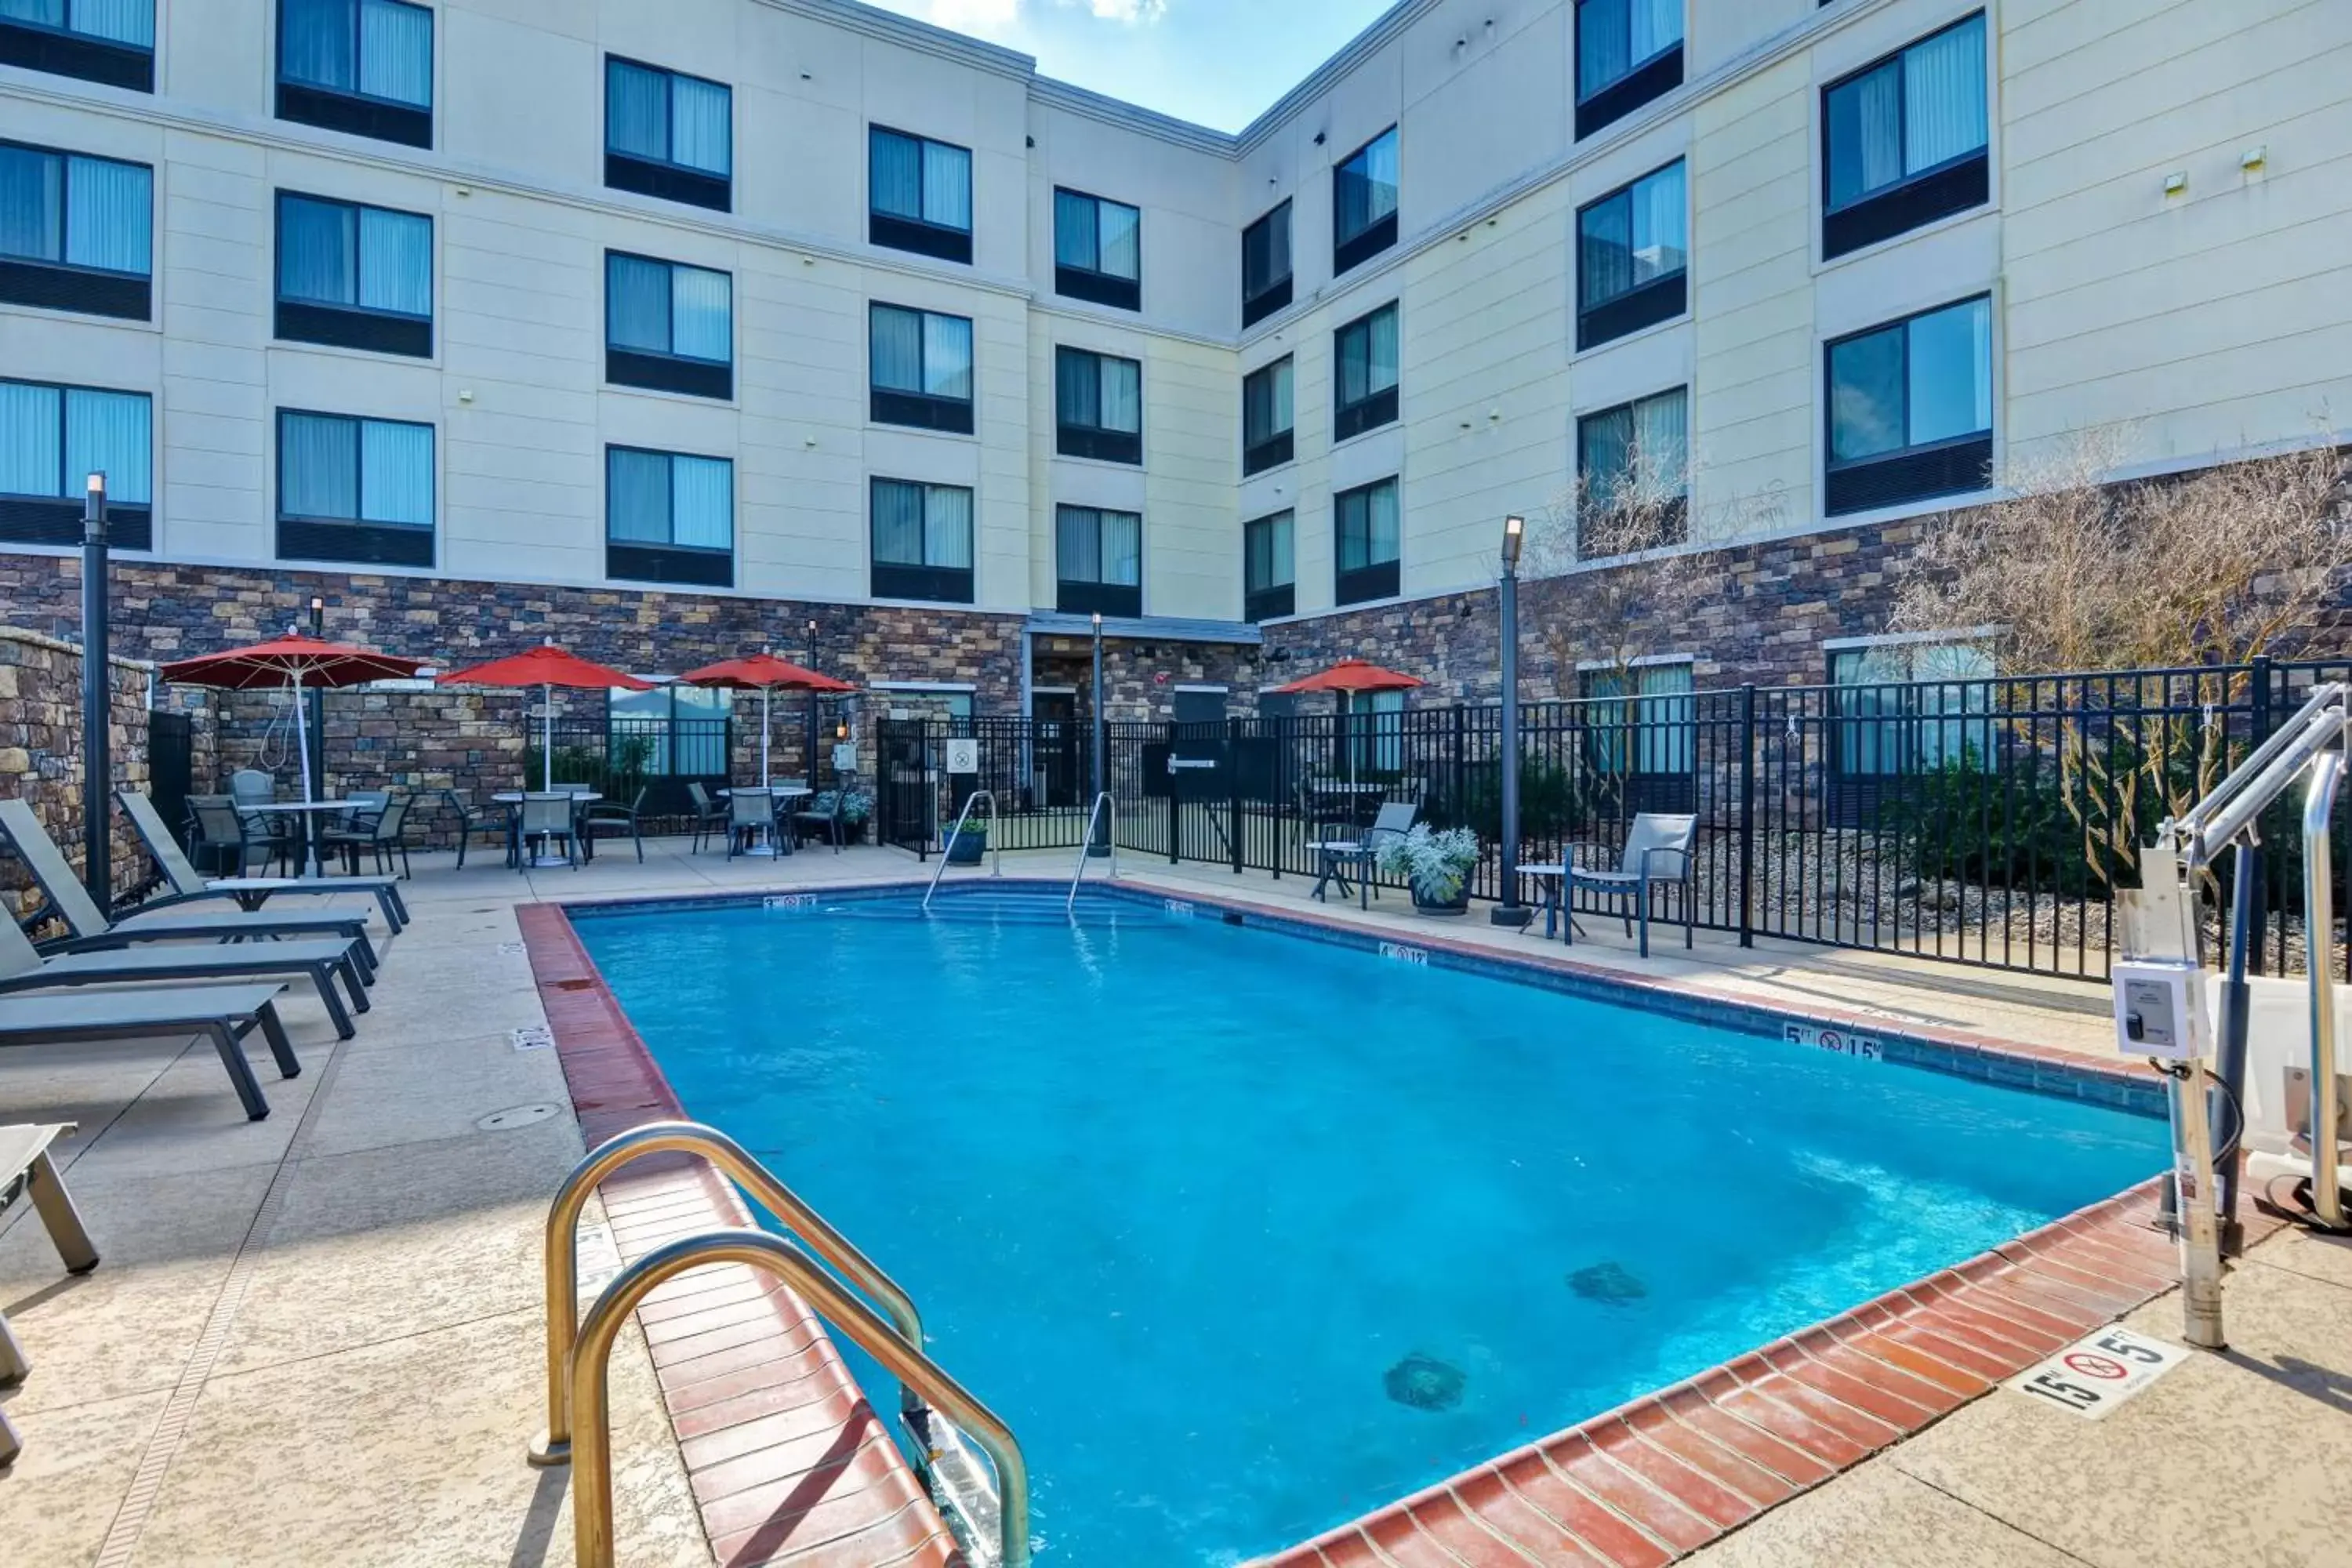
x=310, y=811
x=580, y=797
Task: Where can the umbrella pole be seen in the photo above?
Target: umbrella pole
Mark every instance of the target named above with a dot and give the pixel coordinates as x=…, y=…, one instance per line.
x=547, y=737
x=302, y=744
x=764, y=737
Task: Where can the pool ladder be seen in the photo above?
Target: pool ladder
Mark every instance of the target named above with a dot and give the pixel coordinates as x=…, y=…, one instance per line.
x=933, y=1406
x=1095, y=812
x=996, y=842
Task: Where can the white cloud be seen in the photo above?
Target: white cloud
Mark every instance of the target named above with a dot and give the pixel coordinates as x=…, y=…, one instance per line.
x=1132, y=12
x=1000, y=16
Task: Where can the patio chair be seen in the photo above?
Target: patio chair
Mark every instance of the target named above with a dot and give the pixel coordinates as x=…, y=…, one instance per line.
x=611, y=818
x=547, y=816
x=710, y=816
x=282, y=834
x=222, y=839
x=249, y=892
x=749, y=813
x=824, y=814
x=251, y=786
x=472, y=819
x=26, y=1167
x=385, y=834
x=1659, y=853
x=1338, y=846
x=94, y=931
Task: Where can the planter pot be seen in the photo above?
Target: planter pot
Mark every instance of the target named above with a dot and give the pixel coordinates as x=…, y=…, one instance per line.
x=967, y=847
x=1457, y=905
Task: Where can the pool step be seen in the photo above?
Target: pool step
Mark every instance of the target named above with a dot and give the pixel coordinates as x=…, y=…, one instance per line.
x=1017, y=904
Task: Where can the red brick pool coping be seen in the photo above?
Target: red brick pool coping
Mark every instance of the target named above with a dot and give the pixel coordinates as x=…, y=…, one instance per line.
x=787, y=1461
x=791, y=1465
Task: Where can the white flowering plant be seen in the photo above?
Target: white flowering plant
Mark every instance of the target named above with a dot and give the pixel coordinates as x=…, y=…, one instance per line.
x=1436, y=862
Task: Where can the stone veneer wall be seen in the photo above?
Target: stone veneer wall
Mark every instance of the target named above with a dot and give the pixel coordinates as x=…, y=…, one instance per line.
x=41, y=753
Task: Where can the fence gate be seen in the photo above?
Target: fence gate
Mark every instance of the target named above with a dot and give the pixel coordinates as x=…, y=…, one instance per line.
x=171, y=761
x=906, y=785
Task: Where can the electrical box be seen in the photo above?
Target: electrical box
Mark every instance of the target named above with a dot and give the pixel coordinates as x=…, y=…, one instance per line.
x=2160, y=1010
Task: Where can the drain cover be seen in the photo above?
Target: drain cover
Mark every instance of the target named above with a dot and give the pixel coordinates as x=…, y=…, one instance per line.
x=1424, y=1382
x=515, y=1116
x=1611, y=1284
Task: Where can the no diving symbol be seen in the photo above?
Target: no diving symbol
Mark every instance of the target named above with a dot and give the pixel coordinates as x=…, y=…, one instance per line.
x=1832, y=1040
x=2089, y=1365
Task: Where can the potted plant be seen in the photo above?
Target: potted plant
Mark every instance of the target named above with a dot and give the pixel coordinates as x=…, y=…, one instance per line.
x=1435, y=863
x=968, y=844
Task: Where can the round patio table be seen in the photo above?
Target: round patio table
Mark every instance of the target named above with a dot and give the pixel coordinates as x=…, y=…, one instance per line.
x=310, y=811
x=580, y=797
x=786, y=794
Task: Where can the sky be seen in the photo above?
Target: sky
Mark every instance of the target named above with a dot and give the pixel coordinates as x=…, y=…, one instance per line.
x=1178, y=57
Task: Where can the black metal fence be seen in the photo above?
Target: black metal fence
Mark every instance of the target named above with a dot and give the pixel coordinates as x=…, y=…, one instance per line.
x=1983, y=821
x=620, y=756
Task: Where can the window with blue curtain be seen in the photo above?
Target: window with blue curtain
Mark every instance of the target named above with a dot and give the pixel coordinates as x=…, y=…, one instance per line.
x=1367, y=519
x=1269, y=568
x=1646, y=714
x=1098, y=406
x=918, y=194
x=1632, y=256
x=922, y=544
x=1099, y=546
x=335, y=468
x=1366, y=350
x=364, y=66
x=1364, y=202
x=1905, y=140
x=110, y=41
x=1628, y=52
x=667, y=311
x=52, y=439
x=919, y=362
x=1266, y=266
x=669, y=499
x=1910, y=408
x=74, y=231
x=1097, y=249
x=1267, y=416
x=1910, y=707
x=354, y=276
x=668, y=134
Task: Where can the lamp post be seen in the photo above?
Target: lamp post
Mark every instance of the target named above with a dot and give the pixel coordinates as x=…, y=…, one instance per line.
x=811, y=662
x=317, y=699
x=1098, y=843
x=1510, y=911
x=97, y=714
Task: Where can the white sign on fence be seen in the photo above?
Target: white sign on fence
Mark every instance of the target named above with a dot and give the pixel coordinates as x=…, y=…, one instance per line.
x=2093, y=1376
x=964, y=756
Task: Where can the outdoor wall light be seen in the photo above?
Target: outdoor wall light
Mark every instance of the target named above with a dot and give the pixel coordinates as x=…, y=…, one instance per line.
x=2175, y=183
x=2255, y=158
x=1515, y=533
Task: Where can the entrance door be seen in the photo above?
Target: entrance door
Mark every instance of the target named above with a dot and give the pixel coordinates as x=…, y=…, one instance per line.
x=1055, y=747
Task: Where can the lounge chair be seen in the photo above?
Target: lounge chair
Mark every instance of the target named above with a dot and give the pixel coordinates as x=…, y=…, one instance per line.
x=188, y=885
x=1660, y=852
x=93, y=931
x=26, y=1167
x=1335, y=850
x=223, y=1013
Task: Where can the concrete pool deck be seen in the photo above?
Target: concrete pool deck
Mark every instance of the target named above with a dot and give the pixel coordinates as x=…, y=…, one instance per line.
x=318, y=1337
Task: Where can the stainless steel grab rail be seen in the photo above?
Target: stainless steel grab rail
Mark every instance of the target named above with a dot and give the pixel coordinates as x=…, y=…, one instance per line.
x=553, y=1447
x=592, y=1488
x=2318, y=962
x=1087, y=845
x=996, y=842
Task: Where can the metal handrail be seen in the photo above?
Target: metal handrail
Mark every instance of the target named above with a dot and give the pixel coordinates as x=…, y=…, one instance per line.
x=553, y=1447
x=2318, y=935
x=1086, y=845
x=591, y=1486
x=995, y=841
x=2208, y=828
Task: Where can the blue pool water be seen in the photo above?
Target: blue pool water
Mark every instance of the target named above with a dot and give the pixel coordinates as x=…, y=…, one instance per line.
x=1244, y=1234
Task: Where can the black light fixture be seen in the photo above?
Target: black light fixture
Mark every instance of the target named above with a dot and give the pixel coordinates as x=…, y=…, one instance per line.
x=97, y=716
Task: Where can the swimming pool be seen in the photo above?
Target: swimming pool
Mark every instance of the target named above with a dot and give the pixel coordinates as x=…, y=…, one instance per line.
x=1244, y=1234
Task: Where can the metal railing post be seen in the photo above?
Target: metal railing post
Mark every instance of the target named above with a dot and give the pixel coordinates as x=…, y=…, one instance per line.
x=2319, y=941
x=2259, y=731
x=1234, y=791
x=1747, y=815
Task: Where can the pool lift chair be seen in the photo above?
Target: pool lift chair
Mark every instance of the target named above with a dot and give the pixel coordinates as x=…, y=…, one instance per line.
x=2282, y=1099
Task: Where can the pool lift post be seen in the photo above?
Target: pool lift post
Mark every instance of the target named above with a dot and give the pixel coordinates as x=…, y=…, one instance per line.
x=2159, y=984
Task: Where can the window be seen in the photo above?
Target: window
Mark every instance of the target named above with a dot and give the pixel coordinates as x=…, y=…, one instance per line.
x=1645, y=717
x=1632, y=258
x=920, y=368
x=110, y=41
x=1373, y=722
x=1910, y=409
x=1903, y=142
x=671, y=731
x=669, y=135
x=1628, y=52
x=1266, y=266
x=669, y=518
x=360, y=66
x=354, y=490
x=1365, y=525
x=1904, y=707
x=1098, y=407
x=922, y=542
x=1364, y=203
x=1099, y=559
x=1266, y=416
x=918, y=195
x=52, y=439
x=1098, y=250
x=668, y=326
x=74, y=232
x=1269, y=568
x=1366, y=377
x=1632, y=464
x=356, y=277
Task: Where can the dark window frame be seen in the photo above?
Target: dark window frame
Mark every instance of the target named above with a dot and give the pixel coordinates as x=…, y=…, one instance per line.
x=63, y=51
x=27, y=519
x=1275, y=447
x=941, y=241
x=354, y=541
x=1270, y=598
x=919, y=410
x=1274, y=293
x=1645, y=305
x=1349, y=251
x=1373, y=409
x=353, y=326
x=1957, y=184
x=73, y=286
x=1099, y=441
x=348, y=110
x=1645, y=82
x=646, y=369
x=666, y=177
x=903, y=580
x=1081, y=596
x=1680, y=512
x=1092, y=284
x=1374, y=579
x=1916, y=471
x=682, y=565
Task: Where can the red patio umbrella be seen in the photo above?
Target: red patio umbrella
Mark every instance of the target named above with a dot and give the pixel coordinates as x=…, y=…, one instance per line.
x=546, y=667
x=1347, y=678
x=293, y=661
x=765, y=673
